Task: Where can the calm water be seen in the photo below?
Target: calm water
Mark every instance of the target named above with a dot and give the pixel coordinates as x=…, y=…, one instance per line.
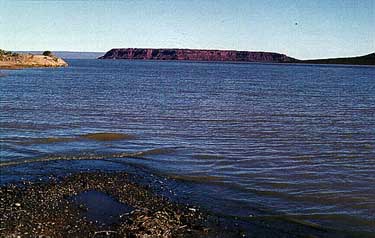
x=253, y=139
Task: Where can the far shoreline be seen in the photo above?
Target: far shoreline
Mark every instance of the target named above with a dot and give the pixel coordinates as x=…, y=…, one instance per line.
x=12, y=61
x=214, y=55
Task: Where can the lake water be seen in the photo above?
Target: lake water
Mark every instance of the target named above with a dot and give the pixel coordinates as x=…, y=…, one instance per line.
x=250, y=139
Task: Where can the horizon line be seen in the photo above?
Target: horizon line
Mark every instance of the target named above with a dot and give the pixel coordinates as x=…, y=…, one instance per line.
x=75, y=51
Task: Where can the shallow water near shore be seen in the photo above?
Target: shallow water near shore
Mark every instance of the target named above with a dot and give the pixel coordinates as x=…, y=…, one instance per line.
x=293, y=141
x=100, y=207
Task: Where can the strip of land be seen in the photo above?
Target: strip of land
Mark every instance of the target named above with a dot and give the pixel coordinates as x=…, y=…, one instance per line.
x=10, y=60
x=226, y=55
x=359, y=60
x=197, y=55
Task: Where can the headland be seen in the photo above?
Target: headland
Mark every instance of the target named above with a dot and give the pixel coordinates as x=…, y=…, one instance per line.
x=10, y=60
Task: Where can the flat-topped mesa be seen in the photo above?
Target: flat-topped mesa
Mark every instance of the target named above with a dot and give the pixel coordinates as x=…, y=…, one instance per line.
x=9, y=60
x=197, y=55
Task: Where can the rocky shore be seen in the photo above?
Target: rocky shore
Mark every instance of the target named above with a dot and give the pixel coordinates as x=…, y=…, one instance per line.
x=51, y=210
x=9, y=60
x=112, y=204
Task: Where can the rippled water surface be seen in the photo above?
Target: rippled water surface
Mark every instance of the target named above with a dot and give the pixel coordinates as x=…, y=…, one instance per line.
x=255, y=139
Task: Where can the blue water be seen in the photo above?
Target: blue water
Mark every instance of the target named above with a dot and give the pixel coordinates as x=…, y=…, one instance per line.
x=253, y=139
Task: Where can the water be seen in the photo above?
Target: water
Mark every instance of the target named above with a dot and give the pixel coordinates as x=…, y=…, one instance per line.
x=101, y=208
x=250, y=139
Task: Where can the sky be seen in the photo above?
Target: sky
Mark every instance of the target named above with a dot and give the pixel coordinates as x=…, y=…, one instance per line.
x=305, y=29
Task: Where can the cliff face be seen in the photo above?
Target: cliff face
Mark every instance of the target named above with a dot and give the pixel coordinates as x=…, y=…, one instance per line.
x=196, y=55
x=18, y=61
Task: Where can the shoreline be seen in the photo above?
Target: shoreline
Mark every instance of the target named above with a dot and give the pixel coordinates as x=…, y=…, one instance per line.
x=49, y=208
x=11, y=61
x=212, y=55
x=17, y=67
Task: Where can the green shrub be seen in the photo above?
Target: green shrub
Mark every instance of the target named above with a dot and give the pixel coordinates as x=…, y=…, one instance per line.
x=7, y=53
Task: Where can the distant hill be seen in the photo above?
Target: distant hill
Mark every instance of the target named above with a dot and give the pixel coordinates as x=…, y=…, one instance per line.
x=359, y=60
x=69, y=54
x=206, y=55
x=226, y=55
x=197, y=55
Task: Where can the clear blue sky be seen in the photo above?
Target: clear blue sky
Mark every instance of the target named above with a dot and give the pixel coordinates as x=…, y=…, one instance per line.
x=325, y=28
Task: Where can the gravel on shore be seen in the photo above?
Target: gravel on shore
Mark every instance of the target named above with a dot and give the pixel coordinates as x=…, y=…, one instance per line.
x=46, y=209
x=56, y=207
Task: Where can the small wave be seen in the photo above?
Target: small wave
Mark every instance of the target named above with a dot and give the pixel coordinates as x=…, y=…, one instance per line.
x=138, y=154
x=195, y=178
x=50, y=158
x=158, y=151
x=31, y=126
x=49, y=140
x=107, y=136
x=315, y=220
x=102, y=136
x=208, y=156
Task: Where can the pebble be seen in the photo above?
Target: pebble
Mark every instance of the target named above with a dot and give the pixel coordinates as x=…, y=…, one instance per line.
x=153, y=215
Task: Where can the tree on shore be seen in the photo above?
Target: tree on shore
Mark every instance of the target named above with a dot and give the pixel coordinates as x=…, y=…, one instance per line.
x=8, y=53
x=4, y=52
x=47, y=53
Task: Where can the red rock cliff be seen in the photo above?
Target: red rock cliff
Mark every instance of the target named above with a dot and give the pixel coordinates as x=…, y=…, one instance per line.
x=196, y=55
